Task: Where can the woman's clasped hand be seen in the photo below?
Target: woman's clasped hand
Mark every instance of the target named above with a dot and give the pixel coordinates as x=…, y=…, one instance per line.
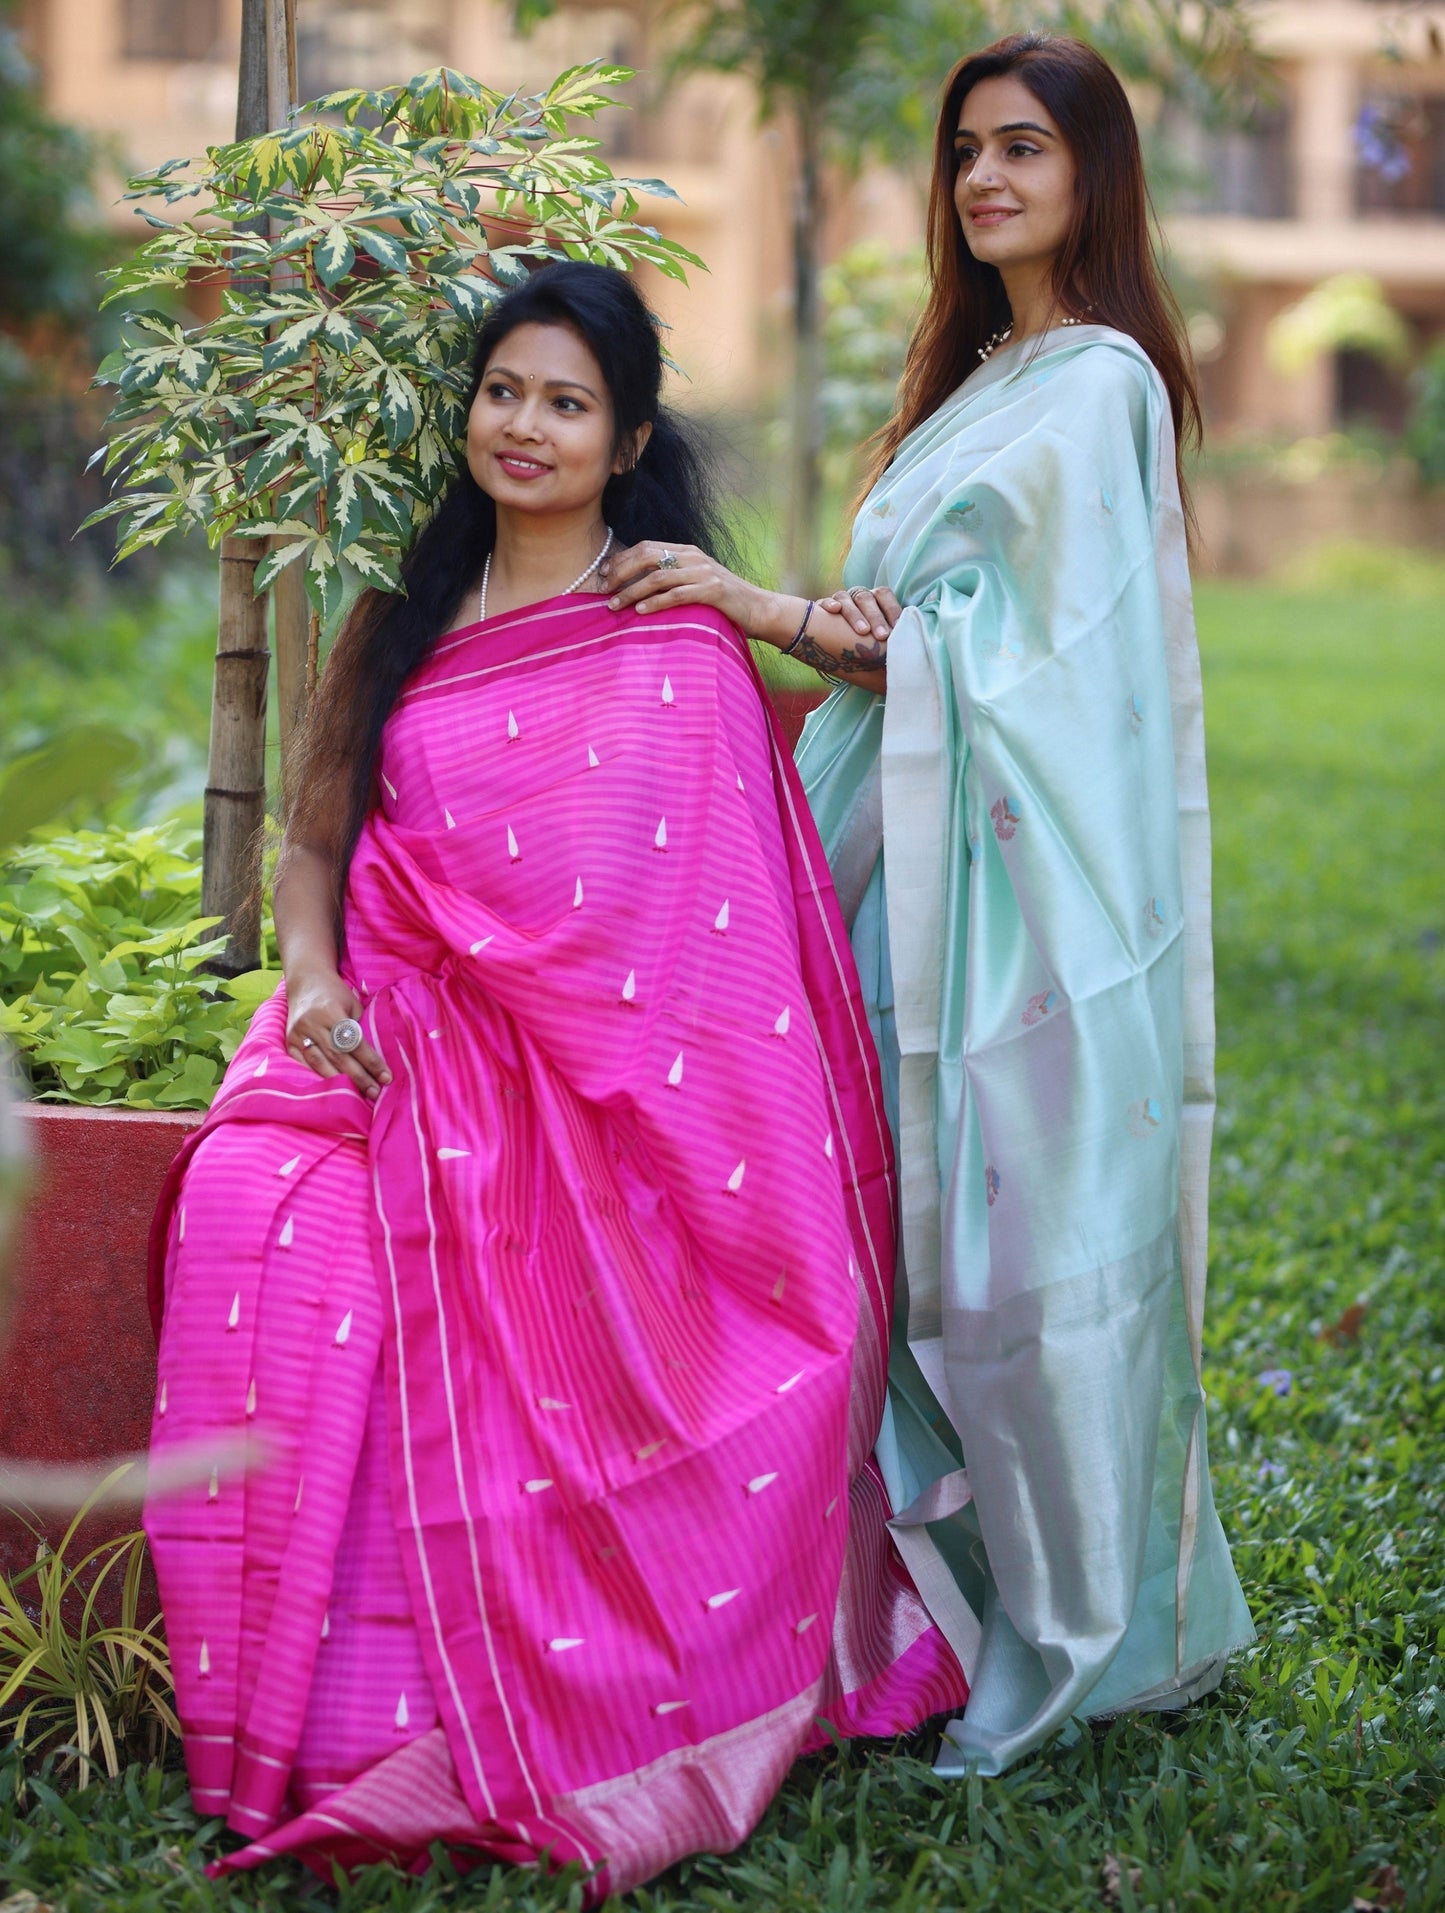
x=654, y=577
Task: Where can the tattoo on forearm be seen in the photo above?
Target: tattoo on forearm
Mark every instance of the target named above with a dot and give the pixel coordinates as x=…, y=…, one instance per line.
x=870, y=655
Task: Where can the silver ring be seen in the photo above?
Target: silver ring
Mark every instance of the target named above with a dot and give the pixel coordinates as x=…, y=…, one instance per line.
x=346, y=1035
x=306, y=1043
x=668, y=561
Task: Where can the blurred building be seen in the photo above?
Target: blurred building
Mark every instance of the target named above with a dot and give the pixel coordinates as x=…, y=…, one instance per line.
x=1268, y=210
x=1309, y=189
x=157, y=78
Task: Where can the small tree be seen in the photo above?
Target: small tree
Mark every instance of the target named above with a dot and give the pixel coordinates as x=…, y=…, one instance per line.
x=326, y=411
x=322, y=409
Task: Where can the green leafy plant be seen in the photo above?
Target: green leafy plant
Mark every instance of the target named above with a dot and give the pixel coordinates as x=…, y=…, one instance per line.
x=102, y=989
x=323, y=406
x=66, y=1679
x=1425, y=432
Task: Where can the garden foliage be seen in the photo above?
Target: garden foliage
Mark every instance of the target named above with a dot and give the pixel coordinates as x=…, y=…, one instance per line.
x=102, y=947
x=90, y=1691
x=324, y=405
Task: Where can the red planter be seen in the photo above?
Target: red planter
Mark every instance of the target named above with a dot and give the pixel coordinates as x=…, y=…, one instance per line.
x=77, y=1360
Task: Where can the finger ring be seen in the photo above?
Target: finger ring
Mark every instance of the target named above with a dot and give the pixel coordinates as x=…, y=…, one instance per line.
x=668, y=561
x=346, y=1035
x=306, y=1043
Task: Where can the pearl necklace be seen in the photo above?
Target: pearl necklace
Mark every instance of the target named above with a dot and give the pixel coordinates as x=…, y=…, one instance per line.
x=1005, y=333
x=576, y=583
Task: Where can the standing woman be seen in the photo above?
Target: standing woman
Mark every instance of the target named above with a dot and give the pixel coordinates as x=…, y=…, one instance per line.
x=1019, y=834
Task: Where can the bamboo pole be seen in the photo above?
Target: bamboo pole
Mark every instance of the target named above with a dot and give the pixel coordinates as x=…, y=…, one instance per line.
x=235, y=807
x=235, y=801
x=291, y=615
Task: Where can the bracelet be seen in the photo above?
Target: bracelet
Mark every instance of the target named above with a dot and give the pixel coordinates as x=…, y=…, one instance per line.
x=802, y=630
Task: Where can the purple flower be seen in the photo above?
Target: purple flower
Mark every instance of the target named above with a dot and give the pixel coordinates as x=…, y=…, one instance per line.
x=1268, y=1470
x=1279, y=1379
x=1378, y=145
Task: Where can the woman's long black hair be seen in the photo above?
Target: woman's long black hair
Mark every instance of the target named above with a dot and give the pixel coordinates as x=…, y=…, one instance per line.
x=667, y=494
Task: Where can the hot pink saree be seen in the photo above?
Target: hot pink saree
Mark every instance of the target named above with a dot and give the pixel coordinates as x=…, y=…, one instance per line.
x=566, y=1358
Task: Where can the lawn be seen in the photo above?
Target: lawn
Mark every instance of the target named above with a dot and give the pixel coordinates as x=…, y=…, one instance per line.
x=1313, y=1778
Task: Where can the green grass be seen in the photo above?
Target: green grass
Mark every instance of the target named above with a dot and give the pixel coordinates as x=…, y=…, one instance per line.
x=1318, y=1766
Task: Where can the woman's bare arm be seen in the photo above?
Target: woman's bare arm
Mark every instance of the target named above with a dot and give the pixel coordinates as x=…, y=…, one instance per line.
x=307, y=899
x=846, y=637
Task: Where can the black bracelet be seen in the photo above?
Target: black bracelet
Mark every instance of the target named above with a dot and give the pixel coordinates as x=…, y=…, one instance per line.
x=802, y=630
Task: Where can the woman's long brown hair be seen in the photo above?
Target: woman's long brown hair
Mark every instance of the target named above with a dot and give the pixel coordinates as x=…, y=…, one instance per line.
x=1105, y=270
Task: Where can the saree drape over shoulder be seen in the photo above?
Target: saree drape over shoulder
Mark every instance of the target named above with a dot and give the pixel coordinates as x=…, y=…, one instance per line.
x=565, y=1360
x=1020, y=839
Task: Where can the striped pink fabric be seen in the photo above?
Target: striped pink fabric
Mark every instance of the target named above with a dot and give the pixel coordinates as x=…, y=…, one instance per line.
x=566, y=1359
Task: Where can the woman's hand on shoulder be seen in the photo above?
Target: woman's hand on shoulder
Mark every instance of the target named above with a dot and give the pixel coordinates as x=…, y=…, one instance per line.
x=655, y=577
x=315, y=1003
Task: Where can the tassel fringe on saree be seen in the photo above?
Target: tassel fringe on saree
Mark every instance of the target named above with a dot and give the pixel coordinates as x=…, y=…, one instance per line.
x=565, y=1361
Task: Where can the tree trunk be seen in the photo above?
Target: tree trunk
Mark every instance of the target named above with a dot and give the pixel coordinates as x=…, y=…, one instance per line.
x=235, y=803
x=290, y=629
x=236, y=780
x=800, y=559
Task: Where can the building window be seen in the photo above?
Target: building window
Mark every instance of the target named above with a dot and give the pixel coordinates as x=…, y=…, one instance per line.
x=169, y=29
x=1243, y=172
x=1400, y=142
x=343, y=43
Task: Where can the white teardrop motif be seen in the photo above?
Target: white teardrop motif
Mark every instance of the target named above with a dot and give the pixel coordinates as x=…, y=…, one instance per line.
x=389, y=785
x=577, y=896
x=512, y=730
x=165, y=1386
x=343, y=1332
x=659, y=841
x=563, y=1642
x=181, y=1231
x=289, y=1168
x=480, y=944
x=735, y=1180
x=326, y=1625
x=721, y=1600
x=593, y=760
x=629, y=988
x=251, y=1397
x=536, y=1487
x=213, y=1487
x=780, y=1028
x=512, y=850
x=791, y=1382
x=451, y=821
x=720, y=921
x=759, y=1482
x=674, y=1075
x=234, y=1318
x=403, y=1712
x=288, y=1233
x=204, y=1663
x=667, y=690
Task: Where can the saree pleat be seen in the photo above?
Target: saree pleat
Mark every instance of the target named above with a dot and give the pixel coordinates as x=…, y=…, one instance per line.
x=566, y=1359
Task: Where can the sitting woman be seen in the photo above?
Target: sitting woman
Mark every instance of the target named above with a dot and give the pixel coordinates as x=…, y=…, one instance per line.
x=541, y=1232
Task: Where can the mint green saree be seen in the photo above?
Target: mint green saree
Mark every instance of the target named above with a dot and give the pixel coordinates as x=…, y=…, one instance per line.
x=1019, y=833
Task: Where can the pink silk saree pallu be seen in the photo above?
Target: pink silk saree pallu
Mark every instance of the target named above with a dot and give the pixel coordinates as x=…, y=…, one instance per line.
x=564, y=1362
